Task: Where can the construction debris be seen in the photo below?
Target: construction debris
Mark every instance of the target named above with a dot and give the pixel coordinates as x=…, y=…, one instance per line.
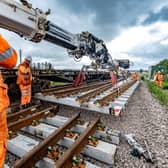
x=138, y=150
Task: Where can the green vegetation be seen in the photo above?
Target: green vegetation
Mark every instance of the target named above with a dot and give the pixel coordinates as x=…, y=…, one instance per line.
x=161, y=66
x=143, y=76
x=165, y=84
x=159, y=93
x=52, y=83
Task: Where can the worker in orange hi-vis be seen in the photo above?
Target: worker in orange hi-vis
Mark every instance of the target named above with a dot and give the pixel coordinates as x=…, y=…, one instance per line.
x=79, y=79
x=113, y=75
x=160, y=79
x=8, y=59
x=24, y=80
x=156, y=79
x=135, y=76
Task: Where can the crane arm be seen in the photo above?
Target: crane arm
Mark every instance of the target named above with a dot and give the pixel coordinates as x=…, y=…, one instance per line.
x=33, y=25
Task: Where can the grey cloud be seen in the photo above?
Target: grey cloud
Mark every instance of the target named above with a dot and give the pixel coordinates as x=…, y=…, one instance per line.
x=110, y=15
x=151, y=54
x=162, y=15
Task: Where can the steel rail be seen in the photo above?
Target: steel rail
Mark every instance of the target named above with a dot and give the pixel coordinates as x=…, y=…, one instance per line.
x=14, y=116
x=64, y=92
x=40, y=151
x=65, y=160
x=111, y=96
x=86, y=97
x=72, y=91
x=57, y=88
x=15, y=126
x=115, y=93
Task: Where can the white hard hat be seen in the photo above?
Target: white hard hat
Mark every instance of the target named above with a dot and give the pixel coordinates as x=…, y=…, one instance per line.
x=28, y=58
x=158, y=71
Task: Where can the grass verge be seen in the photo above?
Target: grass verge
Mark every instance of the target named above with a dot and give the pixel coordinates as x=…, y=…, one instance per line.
x=165, y=85
x=160, y=94
x=52, y=83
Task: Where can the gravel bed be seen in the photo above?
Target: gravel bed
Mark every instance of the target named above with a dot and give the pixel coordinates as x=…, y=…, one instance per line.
x=10, y=159
x=96, y=162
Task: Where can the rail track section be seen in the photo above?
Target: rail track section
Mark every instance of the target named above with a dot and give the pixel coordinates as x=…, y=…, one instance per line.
x=45, y=91
x=14, y=116
x=64, y=92
x=101, y=98
x=74, y=134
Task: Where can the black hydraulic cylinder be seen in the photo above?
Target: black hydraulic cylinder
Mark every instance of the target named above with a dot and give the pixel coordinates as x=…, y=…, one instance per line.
x=59, y=36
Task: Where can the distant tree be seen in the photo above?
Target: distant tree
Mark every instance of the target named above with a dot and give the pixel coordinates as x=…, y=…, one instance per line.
x=141, y=70
x=161, y=66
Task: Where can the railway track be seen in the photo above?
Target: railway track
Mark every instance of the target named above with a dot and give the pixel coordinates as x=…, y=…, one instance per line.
x=57, y=88
x=101, y=97
x=93, y=93
x=22, y=113
x=76, y=136
x=70, y=91
x=116, y=92
x=30, y=119
x=42, y=138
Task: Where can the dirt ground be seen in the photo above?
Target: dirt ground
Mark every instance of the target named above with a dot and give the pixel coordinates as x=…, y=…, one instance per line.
x=147, y=119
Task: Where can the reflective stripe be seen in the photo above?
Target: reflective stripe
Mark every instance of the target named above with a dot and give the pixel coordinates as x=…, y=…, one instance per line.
x=25, y=75
x=26, y=92
x=6, y=54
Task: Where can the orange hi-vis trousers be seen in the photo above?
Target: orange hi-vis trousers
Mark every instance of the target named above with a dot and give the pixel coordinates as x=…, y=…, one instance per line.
x=4, y=103
x=3, y=148
x=160, y=84
x=113, y=79
x=25, y=94
x=3, y=138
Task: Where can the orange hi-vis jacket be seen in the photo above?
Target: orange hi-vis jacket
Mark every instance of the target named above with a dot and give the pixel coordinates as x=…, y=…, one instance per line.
x=135, y=76
x=24, y=74
x=113, y=76
x=160, y=77
x=8, y=56
x=24, y=81
x=8, y=59
x=4, y=103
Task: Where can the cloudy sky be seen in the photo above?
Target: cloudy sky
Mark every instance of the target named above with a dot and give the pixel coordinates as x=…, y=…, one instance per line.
x=132, y=29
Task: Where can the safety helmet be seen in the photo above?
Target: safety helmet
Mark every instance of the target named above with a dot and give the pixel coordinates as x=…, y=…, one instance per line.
x=28, y=58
